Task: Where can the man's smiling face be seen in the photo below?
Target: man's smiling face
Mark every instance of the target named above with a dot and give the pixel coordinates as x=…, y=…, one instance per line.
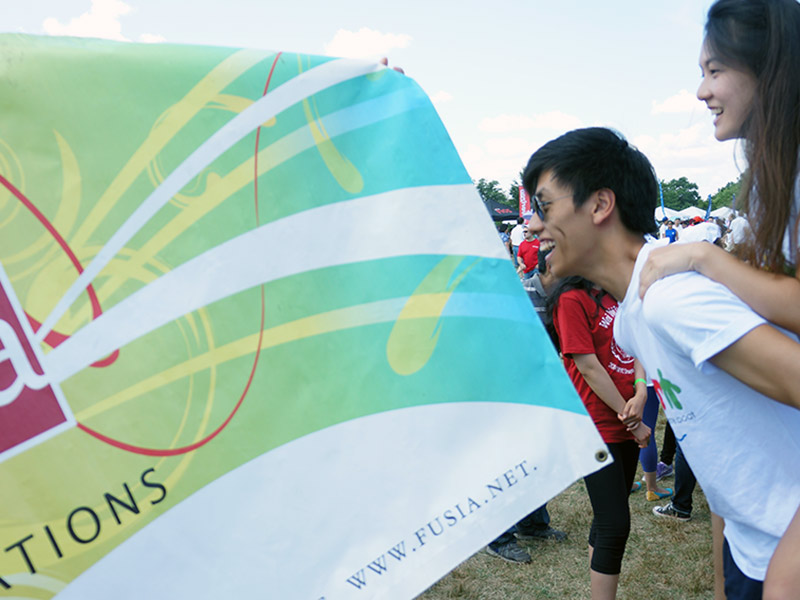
x=564, y=230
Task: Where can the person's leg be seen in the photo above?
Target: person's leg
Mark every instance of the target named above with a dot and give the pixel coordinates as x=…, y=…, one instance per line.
x=538, y=519
x=664, y=466
x=649, y=456
x=717, y=539
x=604, y=587
x=681, y=506
x=503, y=538
x=537, y=526
x=608, y=493
x=738, y=586
x=506, y=547
x=684, y=483
x=668, y=447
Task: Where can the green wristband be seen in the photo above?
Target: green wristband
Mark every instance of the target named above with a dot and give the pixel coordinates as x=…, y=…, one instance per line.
x=635, y=381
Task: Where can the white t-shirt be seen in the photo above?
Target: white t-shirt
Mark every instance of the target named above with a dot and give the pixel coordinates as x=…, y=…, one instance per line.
x=702, y=232
x=517, y=235
x=743, y=447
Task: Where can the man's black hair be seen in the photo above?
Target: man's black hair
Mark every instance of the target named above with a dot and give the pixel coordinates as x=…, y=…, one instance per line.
x=587, y=160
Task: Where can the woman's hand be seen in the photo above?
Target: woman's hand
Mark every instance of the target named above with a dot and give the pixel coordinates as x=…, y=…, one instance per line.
x=631, y=416
x=668, y=260
x=642, y=434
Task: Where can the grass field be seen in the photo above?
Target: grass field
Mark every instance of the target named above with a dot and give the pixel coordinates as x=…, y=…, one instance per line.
x=664, y=560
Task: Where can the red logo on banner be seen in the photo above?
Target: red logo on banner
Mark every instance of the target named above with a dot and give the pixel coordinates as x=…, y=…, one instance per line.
x=29, y=405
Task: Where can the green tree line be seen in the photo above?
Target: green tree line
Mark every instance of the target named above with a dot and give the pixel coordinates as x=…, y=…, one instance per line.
x=678, y=193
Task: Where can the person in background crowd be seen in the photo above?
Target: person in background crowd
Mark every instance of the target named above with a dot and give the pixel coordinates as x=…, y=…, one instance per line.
x=517, y=235
x=740, y=236
x=535, y=526
x=671, y=233
x=528, y=255
x=502, y=229
x=606, y=381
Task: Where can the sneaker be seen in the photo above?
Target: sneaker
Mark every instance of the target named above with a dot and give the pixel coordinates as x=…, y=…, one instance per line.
x=663, y=470
x=668, y=510
x=510, y=551
x=541, y=534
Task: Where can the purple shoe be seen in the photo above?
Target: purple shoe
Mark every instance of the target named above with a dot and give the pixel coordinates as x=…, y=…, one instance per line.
x=663, y=470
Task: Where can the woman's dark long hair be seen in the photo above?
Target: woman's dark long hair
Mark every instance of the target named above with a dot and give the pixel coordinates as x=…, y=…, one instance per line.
x=574, y=282
x=762, y=37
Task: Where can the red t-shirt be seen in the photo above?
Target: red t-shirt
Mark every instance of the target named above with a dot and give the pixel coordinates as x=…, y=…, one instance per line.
x=529, y=253
x=585, y=328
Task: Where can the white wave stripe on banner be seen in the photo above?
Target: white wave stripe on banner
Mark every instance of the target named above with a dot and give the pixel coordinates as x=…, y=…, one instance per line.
x=408, y=508
x=227, y=269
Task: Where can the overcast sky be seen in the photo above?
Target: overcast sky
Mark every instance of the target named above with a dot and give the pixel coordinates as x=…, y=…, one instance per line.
x=505, y=75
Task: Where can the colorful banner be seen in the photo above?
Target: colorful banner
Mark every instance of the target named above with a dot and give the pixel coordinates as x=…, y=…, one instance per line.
x=524, y=202
x=259, y=336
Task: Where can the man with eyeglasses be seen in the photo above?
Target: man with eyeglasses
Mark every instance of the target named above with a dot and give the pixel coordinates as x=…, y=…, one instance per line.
x=727, y=379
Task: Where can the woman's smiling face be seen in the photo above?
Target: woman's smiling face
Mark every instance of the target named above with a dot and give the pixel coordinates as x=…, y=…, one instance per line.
x=727, y=92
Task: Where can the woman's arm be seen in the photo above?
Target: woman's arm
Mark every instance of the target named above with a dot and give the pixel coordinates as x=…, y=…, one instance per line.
x=631, y=415
x=775, y=297
x=602, y=385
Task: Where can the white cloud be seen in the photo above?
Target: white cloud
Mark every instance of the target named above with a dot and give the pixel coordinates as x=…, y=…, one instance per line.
x=504, y=170
x=472, y=152
x=441, y=97
x=365, y=43
x=691, y=152
x=694, y=153
x=151, y=38
x=100, y=21
x=502, y=158
x=509, y=146
x=682, y=102
x=554, y=120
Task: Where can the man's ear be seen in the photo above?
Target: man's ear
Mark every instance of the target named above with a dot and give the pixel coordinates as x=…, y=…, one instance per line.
x=605, y=202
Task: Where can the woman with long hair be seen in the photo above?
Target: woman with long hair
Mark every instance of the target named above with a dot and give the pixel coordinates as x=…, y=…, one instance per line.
x=750, y=62
x=606, y=380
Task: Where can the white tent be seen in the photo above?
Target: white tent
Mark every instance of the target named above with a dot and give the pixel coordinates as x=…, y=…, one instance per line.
x=691, y=212
x=722, y=212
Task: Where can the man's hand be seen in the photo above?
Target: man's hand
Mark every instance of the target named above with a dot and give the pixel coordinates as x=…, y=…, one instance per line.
x=385, y=61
